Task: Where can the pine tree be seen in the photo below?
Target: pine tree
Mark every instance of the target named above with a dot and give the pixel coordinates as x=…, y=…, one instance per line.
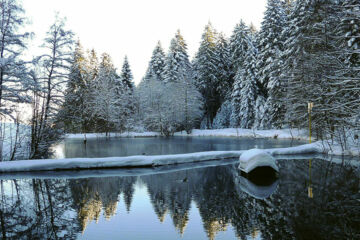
x=156, y=66
x=126, y=74
x=172, y=104
x=126, y=94
x=242, y=44
x=270, y=47
x=206, y=74
x=177, y=61
x=105, y=102
x=249, y=89
x=74, y=113
x=238, y=47
x=223, y=63
x=310, y=64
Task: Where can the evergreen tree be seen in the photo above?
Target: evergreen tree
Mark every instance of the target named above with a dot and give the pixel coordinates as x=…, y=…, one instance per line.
x=269, y=43
x=126, y=94
x=249, y=90
x=206, y=74
x=223, y=63
x=177, y=60
x=274, y=109
x=270, y=47
x=157, y=64
x=242, y=45
x=105, y=103
x=310, y=64
x=76, y=93
x=93, y=62
x=238, y=47
x=126, y=75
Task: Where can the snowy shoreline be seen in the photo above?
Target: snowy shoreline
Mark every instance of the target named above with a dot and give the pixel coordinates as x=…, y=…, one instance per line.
x=226, y=132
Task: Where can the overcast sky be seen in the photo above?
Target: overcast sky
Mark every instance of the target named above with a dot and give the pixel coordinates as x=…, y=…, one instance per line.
x=133, y=27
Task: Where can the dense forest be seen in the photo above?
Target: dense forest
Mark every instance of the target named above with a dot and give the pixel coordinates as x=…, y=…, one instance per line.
x=305, y=51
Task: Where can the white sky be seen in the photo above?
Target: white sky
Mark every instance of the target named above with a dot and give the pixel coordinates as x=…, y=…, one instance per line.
x=133, y=27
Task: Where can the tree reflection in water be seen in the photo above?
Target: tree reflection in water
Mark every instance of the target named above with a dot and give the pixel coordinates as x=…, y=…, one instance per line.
x=62, y=208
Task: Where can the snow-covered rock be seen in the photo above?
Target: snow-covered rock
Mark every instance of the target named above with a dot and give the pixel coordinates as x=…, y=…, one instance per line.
x=254, y=158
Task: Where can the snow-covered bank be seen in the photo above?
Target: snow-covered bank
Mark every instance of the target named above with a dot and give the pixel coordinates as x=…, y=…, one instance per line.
x=227, y=132
x=239, y=132
x=103, y=135
x=138, y=161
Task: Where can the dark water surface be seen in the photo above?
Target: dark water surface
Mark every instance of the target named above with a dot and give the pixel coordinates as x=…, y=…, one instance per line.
x=310, y=199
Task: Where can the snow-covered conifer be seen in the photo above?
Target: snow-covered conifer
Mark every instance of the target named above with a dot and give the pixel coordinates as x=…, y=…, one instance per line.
x=206, y=73
x=156, y=66
x=177, y=63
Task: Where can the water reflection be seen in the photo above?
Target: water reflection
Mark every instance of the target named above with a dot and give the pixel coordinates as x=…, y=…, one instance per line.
x=224, y=200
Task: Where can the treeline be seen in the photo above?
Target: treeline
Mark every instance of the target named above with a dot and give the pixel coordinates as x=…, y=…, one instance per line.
x=305, y=51
x=97, y=99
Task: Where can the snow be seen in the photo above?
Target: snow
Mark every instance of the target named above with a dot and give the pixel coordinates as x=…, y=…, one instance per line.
x=114, y=162
x=103, y=135
x=253, y=158
x=240, y=132
x=226, y=132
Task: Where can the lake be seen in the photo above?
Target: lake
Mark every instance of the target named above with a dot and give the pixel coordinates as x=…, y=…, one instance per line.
x=310, y=199
x=101, y=147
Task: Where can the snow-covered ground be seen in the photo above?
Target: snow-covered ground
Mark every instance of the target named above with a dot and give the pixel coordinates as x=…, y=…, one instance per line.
x=227, y=132
x=103, y=135
x=239, y=132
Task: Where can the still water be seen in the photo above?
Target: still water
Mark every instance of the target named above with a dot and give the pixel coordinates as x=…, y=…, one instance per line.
x=310, y=199
x=72, y=148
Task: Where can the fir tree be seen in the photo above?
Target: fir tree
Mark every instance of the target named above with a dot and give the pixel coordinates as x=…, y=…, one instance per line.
x=310, y=64
x=238, y=46
x=126, y=74
x=223, y=63
x=76, y=92
x=270, y=47
x=157, y=64
x=126, y=94
x=206, y=74
x=249, y=90
x=177, y=60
